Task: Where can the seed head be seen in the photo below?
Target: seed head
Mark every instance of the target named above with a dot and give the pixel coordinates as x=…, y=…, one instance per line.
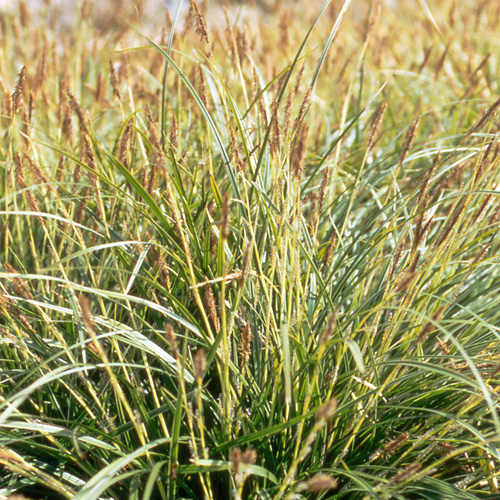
x=200, y=364
x=170, y=336
x=327, y=410
x=113, y=79
x=405, y=474
x=212, y=309
x=86, y=314
x=246, y=340
x=18, y=91
x=224, y=224
x=319, y=483
x=303, y=109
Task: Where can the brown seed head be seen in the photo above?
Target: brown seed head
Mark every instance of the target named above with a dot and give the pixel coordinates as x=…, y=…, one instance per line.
x=299, y=80
x=319, y=483
x=28, y=194
x=37, y=170
x=395, y=444
x=210, y=303
x=80, y=210
x=200, y=364
x=113, y=79
x=410, y=136
x=67, y=128
x=405, y=474
x=288, y=112
x=235, y=149
x=170, y=336
x=327, y=411
x=123, y=72
x=302, y=111
x=17, y=95
x=231, y=40
x=20, y=285
x=86, y=314
x=236, y=459
x=299, y=152
x=174, y=133
x=276, y=129
x=244, y=43
x=330, y=327
x=249, y=457
x=203, y=87
x=77, y=109
x=24, y=14
x=489, y=112
x=246, y=340
x=201, y=27
x=224, y=223
x=376, y=124
x=126, y=142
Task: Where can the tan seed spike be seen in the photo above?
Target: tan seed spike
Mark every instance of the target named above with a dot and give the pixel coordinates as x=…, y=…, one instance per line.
x=153, y=135
x=302, y=111
x=276, y=129
x=203, y=87
x=126, y=142
x=330, y=327
x=231, y=40
x=113, y=79
x=249, y=457
x=327, y=411
x=86, y=314
x=170, y=336
x=410, y=136
x=395, y=444
x=24, y=14
x=320, y=483
x=288, y=111
x=235, y=149
x=37, y=171
x=263, y=113
x=84, y=198
x=441, y=61
x=377, y=122
x=244, y=43
x=17, y=95
x=224, y=224
x=77, y=109
x=98, y=93
x=123, y=73
x=246, y=345
x=174, y=133
x=201, y=27
x=489, y=112
x=236, y=459
x=405, y=474
x=7, y=101
x=200, y=364
x=322, y=189
x=299, y=152
x=67, y=128
x=21, y=182
x=328, y=255
x=427, y=55
x=41, y=71
x=299, y=80
x=20, y=285
x=212, y=309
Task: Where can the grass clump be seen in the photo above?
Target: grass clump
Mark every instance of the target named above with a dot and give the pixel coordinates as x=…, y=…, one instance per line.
x=250, y=258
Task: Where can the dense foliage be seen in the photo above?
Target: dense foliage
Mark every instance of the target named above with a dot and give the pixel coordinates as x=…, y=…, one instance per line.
x=250, y=253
